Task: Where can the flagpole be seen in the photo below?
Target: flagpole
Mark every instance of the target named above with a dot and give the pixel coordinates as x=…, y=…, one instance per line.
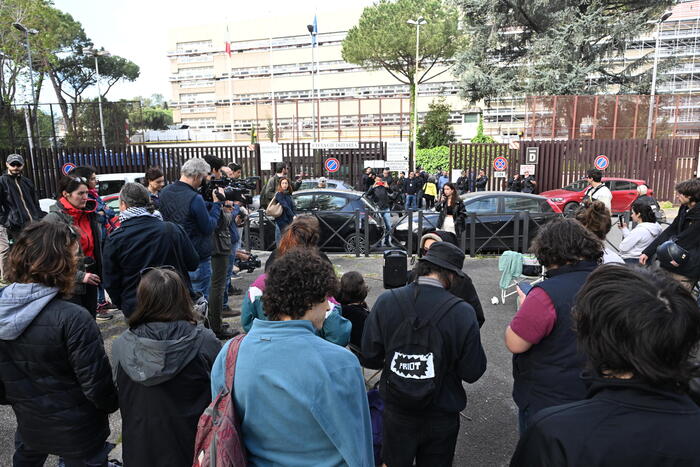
x=230, y=84
x=272, y=90
x=318, y=87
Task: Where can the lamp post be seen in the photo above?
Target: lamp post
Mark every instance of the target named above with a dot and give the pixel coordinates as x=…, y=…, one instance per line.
x=417, y=23
x=99, y=53
x=27, y=31
x=312, y=33
x=652, y=95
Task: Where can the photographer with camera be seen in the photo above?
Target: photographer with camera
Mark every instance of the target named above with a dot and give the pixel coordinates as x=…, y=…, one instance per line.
x=224, y=238
x=182, y=204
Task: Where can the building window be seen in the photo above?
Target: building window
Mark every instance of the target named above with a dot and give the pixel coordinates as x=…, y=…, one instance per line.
x=194, y=46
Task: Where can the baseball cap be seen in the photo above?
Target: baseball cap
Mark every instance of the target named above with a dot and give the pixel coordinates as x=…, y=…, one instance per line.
x=15, y=158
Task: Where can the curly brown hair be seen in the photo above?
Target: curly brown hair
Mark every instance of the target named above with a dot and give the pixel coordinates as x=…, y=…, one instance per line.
x=45, y=253
x=303, y=231
x=595, y=217
x=565, y=241
x=296, y=282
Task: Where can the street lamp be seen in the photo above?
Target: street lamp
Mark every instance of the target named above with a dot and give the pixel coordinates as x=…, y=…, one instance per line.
x=27, y=31
x=652, y=95
x=417, y=23
x=312, y=33
x=99, y=53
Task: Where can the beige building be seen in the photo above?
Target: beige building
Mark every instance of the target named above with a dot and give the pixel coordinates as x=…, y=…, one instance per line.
x=266, y=82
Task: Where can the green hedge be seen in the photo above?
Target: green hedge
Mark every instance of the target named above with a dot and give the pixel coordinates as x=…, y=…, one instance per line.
x=434, y=158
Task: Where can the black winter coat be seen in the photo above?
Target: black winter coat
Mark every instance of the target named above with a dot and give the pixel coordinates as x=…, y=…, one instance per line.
x=139, y=243
x=58, y=380
x=381, y=195
x=457, y=211
x=685, y=229
x=621, y=423
x=19, y=204
x=171, y=363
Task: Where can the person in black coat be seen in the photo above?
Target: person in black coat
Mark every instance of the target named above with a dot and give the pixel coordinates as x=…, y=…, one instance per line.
x=142, y=240
x=639, y=330
x=515, y=183
x=162, y=367
x=352, y=295
x=529, y=183
x=481, y=181
x=53, y=368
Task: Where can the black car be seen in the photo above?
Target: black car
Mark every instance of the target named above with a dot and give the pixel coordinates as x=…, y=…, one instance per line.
x=494, y=226
x=335, y=210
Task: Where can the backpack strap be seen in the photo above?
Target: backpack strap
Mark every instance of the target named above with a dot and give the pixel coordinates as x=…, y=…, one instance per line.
x=231, y=358
x=409, y=309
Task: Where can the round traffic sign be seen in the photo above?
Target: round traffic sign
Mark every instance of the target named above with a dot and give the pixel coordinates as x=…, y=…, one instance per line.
x=601, y=162
x=332, y=164
x=67, y=168
x=500, y=163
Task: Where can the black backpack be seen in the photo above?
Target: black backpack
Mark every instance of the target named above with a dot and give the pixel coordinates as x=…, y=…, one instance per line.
x=415, y=364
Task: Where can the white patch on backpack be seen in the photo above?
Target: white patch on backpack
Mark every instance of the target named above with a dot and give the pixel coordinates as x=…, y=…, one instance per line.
x=413, y=366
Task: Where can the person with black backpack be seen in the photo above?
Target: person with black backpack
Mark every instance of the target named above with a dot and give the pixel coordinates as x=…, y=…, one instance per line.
x=427, y=342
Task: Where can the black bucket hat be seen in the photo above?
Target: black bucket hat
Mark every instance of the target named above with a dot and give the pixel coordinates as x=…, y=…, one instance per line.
x=447, y=256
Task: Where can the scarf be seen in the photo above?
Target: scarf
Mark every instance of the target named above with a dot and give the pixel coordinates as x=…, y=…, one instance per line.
x=131, y=213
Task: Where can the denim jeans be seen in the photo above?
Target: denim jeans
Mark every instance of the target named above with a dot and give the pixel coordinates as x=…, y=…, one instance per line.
x=278, y=235
x=410, y=202
x=386, y=215
x=201, y=278
x=26, y=457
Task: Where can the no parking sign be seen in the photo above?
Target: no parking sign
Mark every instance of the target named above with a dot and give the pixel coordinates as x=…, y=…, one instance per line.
x=332, y=164
x=601, y=162
x=500, y=163
x=67, y=168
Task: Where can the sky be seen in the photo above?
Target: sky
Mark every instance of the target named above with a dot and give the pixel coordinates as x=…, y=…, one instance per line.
x=138, y=30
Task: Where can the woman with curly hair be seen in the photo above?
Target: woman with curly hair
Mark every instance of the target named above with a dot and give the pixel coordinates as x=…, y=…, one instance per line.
x=596, y=217
x=305, y=398
x=546, y=364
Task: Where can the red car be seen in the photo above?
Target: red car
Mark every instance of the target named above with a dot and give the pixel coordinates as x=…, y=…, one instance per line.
x=624, y=191
x=113, y=202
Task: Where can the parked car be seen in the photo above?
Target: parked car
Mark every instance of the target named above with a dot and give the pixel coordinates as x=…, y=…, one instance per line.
x=108, y=184
x=494, y=211
x=624, y=191
x=335, y=209
x=310, y=184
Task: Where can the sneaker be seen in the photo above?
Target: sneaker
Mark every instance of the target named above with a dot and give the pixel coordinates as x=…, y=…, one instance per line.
x=106, y=306
x=227, y=312
x=103, y=315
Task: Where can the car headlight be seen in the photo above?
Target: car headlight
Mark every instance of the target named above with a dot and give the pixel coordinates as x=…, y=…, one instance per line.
x=556, y=200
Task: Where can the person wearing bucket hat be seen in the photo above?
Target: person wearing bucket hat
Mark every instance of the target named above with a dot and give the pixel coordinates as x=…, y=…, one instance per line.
x=428, y=343
x=19, y=204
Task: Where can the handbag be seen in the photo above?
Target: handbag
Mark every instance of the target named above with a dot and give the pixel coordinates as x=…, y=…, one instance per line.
x=274, y=209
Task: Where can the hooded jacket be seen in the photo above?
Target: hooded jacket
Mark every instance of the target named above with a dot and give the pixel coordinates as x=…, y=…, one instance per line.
x=636, y=240
x=685, y=230
x=54, y=371
x=87, y=222
x=163, y=371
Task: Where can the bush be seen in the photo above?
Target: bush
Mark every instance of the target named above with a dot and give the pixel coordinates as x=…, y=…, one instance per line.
x=433, y=159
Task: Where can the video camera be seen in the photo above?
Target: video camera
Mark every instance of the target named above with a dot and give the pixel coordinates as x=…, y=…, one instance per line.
x=235, y=189
x=250, y=264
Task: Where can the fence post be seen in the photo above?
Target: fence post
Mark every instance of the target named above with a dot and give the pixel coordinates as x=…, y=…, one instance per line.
x=463, y=239
x=516, y=231
x=526, y=231
x=367, y=245
x=261, y=229
x=357, y=233
x=420, y=226
x=409, y=235
x=472, y=234
x=246, y=232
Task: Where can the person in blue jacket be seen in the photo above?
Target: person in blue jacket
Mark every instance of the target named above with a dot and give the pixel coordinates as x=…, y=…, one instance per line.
x=284, y=197
x=301, y=400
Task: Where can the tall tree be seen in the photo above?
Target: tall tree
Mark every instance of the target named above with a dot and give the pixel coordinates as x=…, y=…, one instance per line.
x=436, y=129
x=550, y=47
x=384, y=39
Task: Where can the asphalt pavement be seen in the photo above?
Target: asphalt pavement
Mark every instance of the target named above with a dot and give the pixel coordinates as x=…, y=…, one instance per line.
x=488, y=432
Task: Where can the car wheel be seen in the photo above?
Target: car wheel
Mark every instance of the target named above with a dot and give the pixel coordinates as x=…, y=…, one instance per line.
x=353, y=242
x=570, y=209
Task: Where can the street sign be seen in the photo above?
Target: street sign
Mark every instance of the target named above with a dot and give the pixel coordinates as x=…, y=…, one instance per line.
x=532, y=155
x=67, y=168
x=335, y=145
x=527, y=168
x=601, y=162
x=332, y=164
x=499, y=174
x=500, y=163
x=269, y=153
x=397, y=155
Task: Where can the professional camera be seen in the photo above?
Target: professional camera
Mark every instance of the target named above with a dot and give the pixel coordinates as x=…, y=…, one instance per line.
x=250, y=264
x=235, y=189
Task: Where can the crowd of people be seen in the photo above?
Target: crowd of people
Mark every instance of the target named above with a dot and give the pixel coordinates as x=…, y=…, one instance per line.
x=603, y=346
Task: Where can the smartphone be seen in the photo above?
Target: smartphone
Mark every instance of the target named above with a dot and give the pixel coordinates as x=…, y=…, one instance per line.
x=526, y=287
x=620, y=220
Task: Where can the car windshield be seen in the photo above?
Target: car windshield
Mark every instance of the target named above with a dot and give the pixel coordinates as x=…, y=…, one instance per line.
x=369, y=203
x=576, y=186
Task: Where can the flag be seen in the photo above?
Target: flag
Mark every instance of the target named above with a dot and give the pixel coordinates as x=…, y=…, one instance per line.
x=228, y=48
x=315, y=33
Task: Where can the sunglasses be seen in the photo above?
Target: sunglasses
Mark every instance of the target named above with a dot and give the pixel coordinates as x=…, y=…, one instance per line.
x=167, y=267
x=80, y=180
x=16, y=164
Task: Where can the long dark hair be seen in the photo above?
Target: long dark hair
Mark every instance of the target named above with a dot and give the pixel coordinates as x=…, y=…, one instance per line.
x=644, y=211
x=279, y=185
x=162, y=297
x=454, y=197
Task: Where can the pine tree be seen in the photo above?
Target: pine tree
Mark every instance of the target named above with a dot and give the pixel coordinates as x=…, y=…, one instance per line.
x=436, y=129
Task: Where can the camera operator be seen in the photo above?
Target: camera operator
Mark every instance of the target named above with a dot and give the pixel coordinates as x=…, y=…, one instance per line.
x=182, y=204
x=234, y=172
x=223, y=240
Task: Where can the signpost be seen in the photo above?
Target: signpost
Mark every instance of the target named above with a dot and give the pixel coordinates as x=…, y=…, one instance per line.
x=67, y=168
x=601, y=162
x=332, y=164
x=532, y=155
x=335, y=145
x=527, y=168
x=397, y=155
x=500, y=163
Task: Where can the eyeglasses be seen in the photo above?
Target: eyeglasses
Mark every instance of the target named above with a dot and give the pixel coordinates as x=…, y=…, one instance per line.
x=167, y=267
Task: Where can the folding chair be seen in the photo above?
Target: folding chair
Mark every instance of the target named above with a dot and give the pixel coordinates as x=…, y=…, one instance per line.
x=531, y=268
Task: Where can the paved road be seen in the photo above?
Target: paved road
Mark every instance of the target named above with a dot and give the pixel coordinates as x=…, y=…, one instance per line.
x=488, y=431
